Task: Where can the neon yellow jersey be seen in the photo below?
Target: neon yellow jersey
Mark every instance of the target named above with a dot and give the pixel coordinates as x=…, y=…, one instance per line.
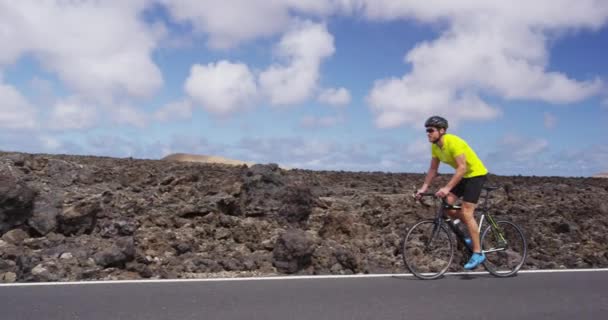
x=453, y=147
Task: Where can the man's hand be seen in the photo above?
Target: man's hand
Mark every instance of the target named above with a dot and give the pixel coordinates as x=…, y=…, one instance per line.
x=443, y=192
x=419, y=192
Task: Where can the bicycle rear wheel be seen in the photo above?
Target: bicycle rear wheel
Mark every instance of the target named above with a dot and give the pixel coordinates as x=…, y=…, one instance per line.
x=427, y=256
x=505, y=249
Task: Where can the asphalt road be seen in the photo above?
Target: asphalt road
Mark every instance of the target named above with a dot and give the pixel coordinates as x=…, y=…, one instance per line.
x=571, y=295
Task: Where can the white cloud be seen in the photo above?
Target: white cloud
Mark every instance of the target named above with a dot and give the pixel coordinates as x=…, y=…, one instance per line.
x=128, y=115
x=97, y=48
x=550, y=120
x=302, y=48
x=596, y=162
x=399, y=101
x=320, y=122
x=522, y=147
x=335, y=97
x=514, y=148
x=415, y=156
x=283, y=150
x=569, y=162
x=418, y=150
x=542, y=13
x=114, y=145
x=488, y=47
x=222, y=87
x=316, y=154
x=43, y=91
x=50, y=143
x=15, y=111
x=232, y=22
x=70, y=114
x=177, y=110
x=312, y=148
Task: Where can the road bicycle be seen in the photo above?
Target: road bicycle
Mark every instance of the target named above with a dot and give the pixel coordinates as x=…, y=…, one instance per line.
x=428, y=247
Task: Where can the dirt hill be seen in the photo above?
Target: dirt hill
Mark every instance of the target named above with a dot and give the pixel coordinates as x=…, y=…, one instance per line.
x=185, y=157
x=85, y=218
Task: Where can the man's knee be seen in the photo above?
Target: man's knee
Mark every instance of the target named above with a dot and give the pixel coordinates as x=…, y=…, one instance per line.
x=451, y=198
x=468, y=209
x=469, y=205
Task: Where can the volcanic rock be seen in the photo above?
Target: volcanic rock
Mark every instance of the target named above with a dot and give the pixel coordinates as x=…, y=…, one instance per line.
x=293, y=251
x=16, y=202
x=74, y=218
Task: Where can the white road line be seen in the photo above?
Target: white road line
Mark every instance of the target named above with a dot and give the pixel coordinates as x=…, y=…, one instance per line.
x=386, y=275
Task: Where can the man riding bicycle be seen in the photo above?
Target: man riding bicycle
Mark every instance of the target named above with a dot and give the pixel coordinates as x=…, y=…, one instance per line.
x=466, y=183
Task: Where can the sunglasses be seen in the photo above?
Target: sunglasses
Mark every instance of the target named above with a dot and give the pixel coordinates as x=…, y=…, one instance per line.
x=430, y=130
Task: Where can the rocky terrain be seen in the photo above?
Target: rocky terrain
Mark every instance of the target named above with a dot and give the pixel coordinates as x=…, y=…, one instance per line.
x=185, y=157
x=69, y=218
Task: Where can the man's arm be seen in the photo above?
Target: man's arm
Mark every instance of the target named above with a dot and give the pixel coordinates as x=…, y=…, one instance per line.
x=432, y=173
x=461, y=169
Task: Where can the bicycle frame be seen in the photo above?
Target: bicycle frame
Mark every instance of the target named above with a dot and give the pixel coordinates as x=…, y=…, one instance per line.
x=426, y=263
x=442, y=217
x=497, y=231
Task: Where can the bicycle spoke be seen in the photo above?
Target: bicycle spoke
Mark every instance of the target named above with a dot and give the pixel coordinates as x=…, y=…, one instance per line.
x=428, y=250
x=505, y=249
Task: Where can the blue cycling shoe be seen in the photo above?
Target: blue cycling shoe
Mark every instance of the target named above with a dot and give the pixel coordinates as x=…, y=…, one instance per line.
x=476, y=259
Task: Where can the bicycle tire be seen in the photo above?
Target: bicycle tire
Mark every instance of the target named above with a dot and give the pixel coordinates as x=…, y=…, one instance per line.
x=428, y=262
x=507, y=260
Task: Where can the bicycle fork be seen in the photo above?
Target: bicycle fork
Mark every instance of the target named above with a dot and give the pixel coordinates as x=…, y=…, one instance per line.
x=436, y=227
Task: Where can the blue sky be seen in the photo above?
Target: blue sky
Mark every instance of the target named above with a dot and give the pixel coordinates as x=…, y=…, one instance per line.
x=315, y=84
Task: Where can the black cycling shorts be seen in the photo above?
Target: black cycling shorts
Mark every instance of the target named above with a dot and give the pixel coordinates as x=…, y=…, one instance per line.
x=470, y=188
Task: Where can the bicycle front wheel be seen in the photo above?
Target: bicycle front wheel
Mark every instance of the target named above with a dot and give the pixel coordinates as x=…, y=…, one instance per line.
x=428, y=249
x=505, y=248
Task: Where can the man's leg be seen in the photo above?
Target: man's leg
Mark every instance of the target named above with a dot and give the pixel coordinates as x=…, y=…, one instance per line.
x=451, y=199
x=471, y=193
x=467, y=216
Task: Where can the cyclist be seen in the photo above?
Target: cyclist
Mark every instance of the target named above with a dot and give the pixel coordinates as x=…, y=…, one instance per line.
x=466, y=183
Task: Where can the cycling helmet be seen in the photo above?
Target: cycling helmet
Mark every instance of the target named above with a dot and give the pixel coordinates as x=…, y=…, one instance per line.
x=437, y=122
